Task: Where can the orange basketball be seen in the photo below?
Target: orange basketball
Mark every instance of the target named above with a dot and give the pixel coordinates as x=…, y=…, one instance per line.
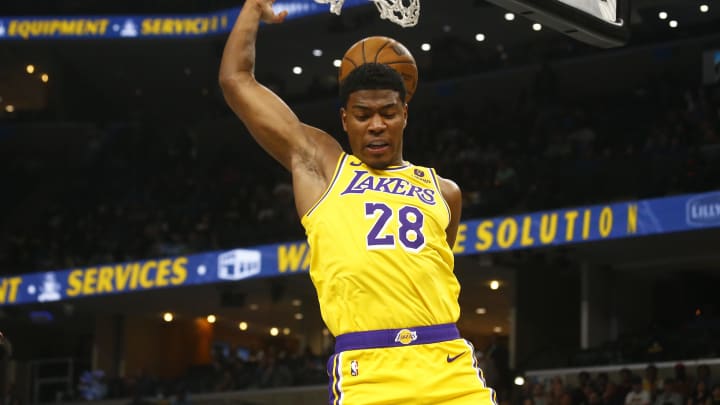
x=382, y=50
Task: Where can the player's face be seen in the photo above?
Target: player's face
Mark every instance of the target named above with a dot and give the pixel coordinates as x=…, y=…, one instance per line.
x=374, y=121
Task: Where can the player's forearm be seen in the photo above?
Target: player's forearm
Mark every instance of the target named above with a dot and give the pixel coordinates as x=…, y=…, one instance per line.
x=239, y=53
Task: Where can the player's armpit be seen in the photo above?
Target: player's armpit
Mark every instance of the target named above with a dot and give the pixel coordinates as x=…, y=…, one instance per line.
x=313, y=168
x=270, y=121
x=452, y=194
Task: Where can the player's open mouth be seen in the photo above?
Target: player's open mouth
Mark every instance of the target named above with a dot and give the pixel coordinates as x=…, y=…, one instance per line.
x=377, y=146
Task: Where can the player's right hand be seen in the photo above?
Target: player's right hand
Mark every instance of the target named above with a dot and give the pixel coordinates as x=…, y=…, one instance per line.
x=268, y=15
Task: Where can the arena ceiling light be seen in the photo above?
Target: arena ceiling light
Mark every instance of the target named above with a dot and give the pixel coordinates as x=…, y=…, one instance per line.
x=673, y=23
x=704, y=8
x=663, y=15
x=297, y=70
x=30, y=69
x=243, y=326
x=425, y=47
x=509, y=16
x=479, y=37
x=317, y=52
x=337, y=63
x=537, y=27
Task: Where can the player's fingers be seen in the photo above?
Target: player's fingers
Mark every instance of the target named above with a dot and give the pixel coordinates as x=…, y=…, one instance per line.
x=279, y=17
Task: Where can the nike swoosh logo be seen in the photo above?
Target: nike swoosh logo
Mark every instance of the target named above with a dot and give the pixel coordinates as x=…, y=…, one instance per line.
x=451, y=359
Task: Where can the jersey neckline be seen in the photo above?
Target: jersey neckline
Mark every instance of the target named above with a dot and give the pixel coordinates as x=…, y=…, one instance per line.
x=355, y=161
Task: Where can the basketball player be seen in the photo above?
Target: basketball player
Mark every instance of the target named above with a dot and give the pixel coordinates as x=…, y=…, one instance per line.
x=380, y=231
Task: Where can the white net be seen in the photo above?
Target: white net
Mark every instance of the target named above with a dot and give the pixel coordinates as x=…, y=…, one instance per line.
x=394, y=10
x=397, y=12
x=335, y=5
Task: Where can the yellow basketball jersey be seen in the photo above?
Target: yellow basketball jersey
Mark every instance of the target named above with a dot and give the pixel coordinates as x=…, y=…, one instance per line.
x=379, y=254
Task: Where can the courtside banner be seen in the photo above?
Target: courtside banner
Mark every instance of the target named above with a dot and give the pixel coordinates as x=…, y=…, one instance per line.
x=147, y=26
x=143, y=275
x=588, y=224
x=550, y=228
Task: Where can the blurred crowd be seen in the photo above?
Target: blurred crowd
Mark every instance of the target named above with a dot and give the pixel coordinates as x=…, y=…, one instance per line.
x=676, y=387
x=271, y=368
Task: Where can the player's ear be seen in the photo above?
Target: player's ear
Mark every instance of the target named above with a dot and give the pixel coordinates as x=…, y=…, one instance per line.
x=343, y=118
x=405, y=115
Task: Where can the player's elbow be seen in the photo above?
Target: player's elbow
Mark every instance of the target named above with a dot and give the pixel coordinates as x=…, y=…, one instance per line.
x=232, y=82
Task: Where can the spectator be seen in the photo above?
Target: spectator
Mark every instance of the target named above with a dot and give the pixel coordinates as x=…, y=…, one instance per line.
x=612, y=395
x=557, y=391
x=669, y=395
x=274, y=373
x=715, y=395
x=581, y=391
x=637, y=396
x=539, y=396
x=700, y=395
x=703, y=374
x=682, y=385
x=651, y=382
x=625, y=385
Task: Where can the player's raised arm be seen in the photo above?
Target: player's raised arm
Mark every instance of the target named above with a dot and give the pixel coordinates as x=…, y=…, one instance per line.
x=298, y=147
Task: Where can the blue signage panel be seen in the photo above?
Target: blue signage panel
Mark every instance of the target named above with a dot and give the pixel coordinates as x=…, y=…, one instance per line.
x=587, y=224
x=550, y=228
x=203, y=268
x=148, y=26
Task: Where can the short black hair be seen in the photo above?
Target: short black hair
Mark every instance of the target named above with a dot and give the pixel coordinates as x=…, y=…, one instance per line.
x=372, y=76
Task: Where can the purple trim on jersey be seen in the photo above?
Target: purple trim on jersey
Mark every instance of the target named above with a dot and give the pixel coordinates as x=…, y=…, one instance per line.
x=338, y=376
x=330, y=186
x=480, y=374
x=331, y=373
x=387, y=337
x=439, y=190
x=394, y=168
x=359, y=163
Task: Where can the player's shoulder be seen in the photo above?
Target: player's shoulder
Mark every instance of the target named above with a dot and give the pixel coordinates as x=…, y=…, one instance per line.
x=449, y=188
x=446, y=184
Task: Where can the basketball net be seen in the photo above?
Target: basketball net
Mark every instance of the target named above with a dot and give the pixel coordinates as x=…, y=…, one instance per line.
x=393, y=10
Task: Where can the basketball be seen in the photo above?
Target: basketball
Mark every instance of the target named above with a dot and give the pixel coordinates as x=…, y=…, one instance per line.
x=382, y=50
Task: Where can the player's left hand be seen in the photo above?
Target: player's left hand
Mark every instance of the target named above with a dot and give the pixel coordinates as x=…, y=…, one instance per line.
x=268, y=14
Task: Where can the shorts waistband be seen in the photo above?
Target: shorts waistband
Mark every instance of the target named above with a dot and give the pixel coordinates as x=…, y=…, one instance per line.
x=374, y=339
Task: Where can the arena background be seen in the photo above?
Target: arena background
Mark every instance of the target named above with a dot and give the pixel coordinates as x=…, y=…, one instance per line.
x=126, y=158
